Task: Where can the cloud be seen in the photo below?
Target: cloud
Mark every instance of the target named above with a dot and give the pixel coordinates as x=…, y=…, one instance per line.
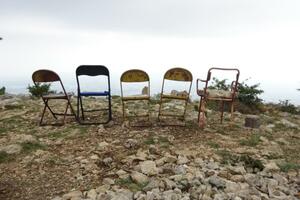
x=189, y=18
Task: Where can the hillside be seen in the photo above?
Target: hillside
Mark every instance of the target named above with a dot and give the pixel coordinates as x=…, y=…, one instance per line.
x=117, y=161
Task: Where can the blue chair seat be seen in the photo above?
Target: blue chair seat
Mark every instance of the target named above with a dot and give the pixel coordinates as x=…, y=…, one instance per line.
x=105, y=93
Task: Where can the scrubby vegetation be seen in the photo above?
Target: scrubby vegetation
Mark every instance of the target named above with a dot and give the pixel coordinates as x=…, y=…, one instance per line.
x=248, y=95
x=39, y=89
x=286, y=106
x=2, y=91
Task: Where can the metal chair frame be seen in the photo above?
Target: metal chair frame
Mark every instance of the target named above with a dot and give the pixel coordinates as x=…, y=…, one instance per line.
x=135, y=76
x=48, y=76
x=92, y=70
x=175, y=74
x=204, y=97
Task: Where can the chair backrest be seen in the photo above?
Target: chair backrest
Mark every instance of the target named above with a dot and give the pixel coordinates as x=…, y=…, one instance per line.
x=92, y=70
x=47, y=76
x=223, y=69
x=44, y=75
x=134, y=75
x=178, y=74
x=234, y=83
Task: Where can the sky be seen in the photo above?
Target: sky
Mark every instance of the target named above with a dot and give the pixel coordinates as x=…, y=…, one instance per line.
x=259, y=37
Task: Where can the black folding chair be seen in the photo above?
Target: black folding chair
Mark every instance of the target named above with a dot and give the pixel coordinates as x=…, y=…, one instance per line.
x=92, y=70
x=47, y=76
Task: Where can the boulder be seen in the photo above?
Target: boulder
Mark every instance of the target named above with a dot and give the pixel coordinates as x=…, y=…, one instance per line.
x=148, y=167
x=139, y=178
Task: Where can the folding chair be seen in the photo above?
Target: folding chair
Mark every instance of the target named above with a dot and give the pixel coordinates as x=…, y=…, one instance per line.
x=135, y=76
x=222, y=96
x=47, y=76
x=181, y=75
x=92, y=70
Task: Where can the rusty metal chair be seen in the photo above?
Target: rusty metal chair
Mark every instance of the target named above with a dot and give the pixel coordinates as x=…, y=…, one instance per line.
x=135, y=76
x=47, y=76
x=175, y=74
x=92, y=70
x=222, y=96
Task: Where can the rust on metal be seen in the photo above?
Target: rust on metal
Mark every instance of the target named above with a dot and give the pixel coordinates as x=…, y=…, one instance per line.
x=175, y=74
x=42, y=76
x=178, y=74
x=207, y=94
x=134, y=75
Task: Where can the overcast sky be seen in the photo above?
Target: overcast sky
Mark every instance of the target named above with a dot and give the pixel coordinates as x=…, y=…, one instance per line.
x=260, y=37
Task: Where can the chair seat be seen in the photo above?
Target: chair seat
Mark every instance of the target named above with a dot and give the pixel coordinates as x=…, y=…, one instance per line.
x=105, y=93
x=216, y=94
x=139, y=97
x=170, y=96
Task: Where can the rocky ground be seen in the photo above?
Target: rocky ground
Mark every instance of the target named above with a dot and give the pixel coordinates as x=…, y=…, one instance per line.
x=117, y=161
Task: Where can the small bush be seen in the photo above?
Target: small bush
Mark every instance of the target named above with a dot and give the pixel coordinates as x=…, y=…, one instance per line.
x=213, y=145
x=227, y=157
x=219, y=84
x=286, y=106
x=2, y=91
x=287, y=166
x=128, y=183
x=252, y=141
x=31, y=146
x=39, y=89
x=252, y=162
x=249, y=162
x=248, y=96
x=4, y=157
x=149, y=141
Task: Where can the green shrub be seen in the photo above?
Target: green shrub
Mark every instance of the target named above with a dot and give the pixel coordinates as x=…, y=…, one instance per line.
x=31, y=146
x=252, y=141
x=219, y=84
x=248, y=96
x=286, y=106
x=287, y=166
x=4, y=157
x=2, y=91
x=39, y=89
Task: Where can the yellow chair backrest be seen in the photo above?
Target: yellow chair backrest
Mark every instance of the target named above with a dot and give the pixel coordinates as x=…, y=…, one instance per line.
x=178, y=74
x=134, y=75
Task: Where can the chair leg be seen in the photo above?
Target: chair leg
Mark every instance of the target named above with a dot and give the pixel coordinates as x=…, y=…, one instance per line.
x=72, y=109
x=185, y=107
x=42, y=117
x=123, y=109
x=232, y=111
x=46, y=103
x=160, y=107
x=148, y=110
x=201, y=113
x=78, y=111
x=81, y=106
x=109, y=108
x=65, y=113
x=222, y=111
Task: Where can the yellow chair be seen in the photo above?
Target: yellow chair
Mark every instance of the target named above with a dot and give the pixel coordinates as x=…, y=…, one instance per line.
x=175, y=74
x=135, y=76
